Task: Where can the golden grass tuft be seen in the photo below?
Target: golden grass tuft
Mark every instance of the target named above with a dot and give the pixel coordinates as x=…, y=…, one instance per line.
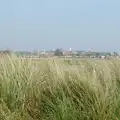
x=59, y=90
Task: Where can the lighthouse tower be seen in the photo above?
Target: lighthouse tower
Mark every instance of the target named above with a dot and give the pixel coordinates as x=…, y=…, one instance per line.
x=70, y=51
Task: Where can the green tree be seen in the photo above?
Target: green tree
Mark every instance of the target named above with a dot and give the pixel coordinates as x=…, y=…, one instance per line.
x=97, y=54
x=115, y=53
x=108, y=53
x=58, y=52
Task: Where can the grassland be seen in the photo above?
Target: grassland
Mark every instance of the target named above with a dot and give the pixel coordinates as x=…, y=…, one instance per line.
x=59, y=90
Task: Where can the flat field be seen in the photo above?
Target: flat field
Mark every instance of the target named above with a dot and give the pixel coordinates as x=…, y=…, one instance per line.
x=59, y=89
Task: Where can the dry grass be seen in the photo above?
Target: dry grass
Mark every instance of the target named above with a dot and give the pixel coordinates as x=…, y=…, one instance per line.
x=59, y=90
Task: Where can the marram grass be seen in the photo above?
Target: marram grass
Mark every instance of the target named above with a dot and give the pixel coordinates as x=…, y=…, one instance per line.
x=59, y=90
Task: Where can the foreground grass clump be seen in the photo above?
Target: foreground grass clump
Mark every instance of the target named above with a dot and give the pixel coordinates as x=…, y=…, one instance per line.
x=59, y=90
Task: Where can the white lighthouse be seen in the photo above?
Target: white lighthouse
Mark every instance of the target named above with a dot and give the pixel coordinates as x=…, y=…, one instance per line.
x=70, y=49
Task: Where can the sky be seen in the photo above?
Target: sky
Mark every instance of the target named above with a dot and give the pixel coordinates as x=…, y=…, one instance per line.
x=49, y=24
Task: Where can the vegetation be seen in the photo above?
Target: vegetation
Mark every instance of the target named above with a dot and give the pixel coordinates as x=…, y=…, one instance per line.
x=58, y=52
x=59, y=90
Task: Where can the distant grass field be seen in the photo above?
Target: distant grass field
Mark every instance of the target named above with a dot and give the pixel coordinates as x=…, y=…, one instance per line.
x=59, y=90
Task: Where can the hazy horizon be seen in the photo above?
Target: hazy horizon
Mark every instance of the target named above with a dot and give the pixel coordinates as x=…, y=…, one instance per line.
x=49, y=24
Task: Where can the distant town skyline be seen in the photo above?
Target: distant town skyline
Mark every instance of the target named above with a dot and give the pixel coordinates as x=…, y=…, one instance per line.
x=49, y=24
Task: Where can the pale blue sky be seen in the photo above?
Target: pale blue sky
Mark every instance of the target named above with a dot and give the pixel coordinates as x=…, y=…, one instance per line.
x=47, y=24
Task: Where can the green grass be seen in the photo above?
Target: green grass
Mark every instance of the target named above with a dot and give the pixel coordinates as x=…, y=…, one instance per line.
x=59, y=90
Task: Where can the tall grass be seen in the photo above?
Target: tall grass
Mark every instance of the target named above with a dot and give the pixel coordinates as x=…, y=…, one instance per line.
x=59, y=90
